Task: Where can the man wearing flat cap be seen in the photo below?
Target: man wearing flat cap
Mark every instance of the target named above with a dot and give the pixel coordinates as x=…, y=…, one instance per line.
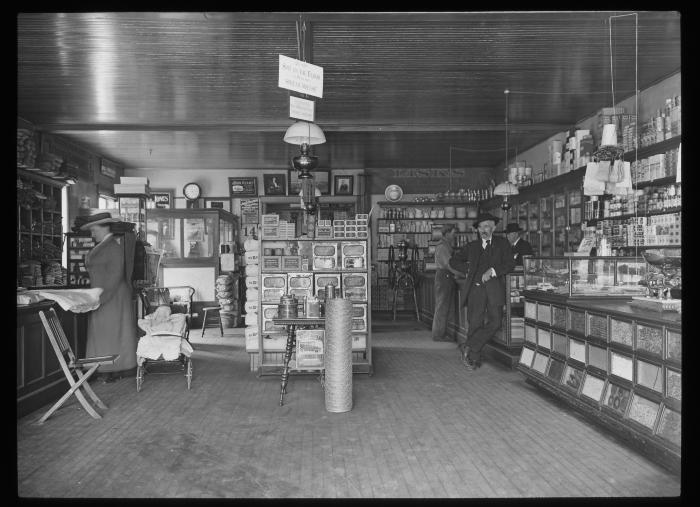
x=489, y=259
x=519, y=246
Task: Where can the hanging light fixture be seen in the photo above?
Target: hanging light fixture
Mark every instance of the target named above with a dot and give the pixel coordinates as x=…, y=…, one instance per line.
x=506, y=188
x=305, y=134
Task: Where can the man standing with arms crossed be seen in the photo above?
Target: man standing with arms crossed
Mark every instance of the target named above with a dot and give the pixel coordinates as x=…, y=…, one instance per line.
x=489, y=258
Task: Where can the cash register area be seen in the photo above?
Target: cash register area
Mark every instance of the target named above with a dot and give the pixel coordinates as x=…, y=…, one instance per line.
x=421, y=427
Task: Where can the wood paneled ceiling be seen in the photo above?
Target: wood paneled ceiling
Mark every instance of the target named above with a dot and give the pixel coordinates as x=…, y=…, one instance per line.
x=199, y=90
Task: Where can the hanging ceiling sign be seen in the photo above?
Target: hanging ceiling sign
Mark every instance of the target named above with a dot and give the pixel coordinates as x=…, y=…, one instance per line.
x=300, y=76
x=301, y=109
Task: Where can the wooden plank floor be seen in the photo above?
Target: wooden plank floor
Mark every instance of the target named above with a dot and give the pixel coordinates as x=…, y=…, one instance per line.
x=420, y=427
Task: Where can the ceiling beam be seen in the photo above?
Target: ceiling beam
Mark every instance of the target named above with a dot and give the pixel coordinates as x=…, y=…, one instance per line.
x=276, y=126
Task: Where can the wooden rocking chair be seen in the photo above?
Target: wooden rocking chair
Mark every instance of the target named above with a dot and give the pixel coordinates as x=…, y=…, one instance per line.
x=70, y=365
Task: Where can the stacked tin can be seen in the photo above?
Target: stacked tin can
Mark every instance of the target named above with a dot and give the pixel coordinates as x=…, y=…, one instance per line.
x=226, y=295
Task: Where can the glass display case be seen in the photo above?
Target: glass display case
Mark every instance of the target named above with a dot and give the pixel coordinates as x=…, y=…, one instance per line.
x=132, y=208
x=193, y=240
x=586, y=276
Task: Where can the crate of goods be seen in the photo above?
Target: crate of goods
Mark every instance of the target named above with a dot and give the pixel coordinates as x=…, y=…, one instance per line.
x=359, y=317
x=270, y=262
x=324, y=232
x=269, y=312
x=354, y=255
x=270, y=219
x=309, y=349
x=300, y=284
x=325, y=255
x=291, y=262
x=274, y=286
x=354, y=286
x=323, y=279
x=269, y=232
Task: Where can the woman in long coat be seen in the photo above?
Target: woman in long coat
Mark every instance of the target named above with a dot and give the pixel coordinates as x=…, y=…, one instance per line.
x=112, y=326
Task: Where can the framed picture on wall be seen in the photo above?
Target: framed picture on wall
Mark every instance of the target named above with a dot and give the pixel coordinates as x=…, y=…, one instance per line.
x=220, y=203
x=294, y=182
x=275, y=184
x=322, y=181
x=343, y=184
x=243, y=186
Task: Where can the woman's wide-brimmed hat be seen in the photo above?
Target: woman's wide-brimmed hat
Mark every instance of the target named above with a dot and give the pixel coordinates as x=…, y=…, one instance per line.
x=483, y=217
x=97, y=219
x=513, y=227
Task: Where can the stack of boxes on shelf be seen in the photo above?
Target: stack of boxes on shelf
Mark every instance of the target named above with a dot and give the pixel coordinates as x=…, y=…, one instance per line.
x=251, y=257
x=274, y=228
x=657, y=230
x=355, y=228
x=664, y=124
x=131, y=185
x=654, y=167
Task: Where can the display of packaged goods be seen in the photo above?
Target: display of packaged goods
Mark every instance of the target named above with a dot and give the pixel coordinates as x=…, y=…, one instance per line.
x=271, y=262
x=270, y=312
x=273, y=286
x=323, y=279
x=309, y=349
x=555, y=370
x=354, y=286
x=270, y=219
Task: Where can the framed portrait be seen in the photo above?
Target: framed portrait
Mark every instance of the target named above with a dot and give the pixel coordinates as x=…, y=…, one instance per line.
x=342, y=184
x=224, y=204
x=275, y=184
x=243, y=186
x=322, y=181
x=161, y=199
x=294, y=182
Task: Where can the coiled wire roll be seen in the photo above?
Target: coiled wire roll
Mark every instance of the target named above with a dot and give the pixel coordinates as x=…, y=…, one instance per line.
x=338, y=355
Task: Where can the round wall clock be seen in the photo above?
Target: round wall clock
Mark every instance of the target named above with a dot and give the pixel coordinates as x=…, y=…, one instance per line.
x=192, y=191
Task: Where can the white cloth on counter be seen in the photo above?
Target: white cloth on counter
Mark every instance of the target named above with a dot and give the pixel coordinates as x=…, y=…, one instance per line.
x=73, y=300
x=164, y=336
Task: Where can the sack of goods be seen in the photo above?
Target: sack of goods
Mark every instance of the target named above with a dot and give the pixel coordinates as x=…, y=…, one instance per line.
x=225, y=294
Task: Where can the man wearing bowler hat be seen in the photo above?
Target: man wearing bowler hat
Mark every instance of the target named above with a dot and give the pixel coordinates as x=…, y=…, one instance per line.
x=519, y=246
x=489, y=259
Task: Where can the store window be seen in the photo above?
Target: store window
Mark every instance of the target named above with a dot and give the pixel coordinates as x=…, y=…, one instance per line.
x=106, y=201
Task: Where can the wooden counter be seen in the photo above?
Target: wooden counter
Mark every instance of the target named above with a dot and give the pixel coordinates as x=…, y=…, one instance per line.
x=39, y=376
x=618, y=365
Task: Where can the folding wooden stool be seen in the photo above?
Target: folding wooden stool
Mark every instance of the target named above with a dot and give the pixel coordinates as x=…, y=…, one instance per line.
x=70, y=365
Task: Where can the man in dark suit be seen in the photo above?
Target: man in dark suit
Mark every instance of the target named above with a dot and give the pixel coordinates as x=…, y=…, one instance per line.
x=519, y=246
x=489, y=259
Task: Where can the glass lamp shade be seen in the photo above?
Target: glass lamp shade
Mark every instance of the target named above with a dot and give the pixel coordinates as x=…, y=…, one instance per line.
x=505, y=189
x=302, y=132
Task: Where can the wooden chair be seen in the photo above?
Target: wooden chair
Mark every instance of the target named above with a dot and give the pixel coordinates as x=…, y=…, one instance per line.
x=70, y=365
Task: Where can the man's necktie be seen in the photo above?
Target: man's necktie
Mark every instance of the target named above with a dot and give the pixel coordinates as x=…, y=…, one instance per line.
x=488, y=244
